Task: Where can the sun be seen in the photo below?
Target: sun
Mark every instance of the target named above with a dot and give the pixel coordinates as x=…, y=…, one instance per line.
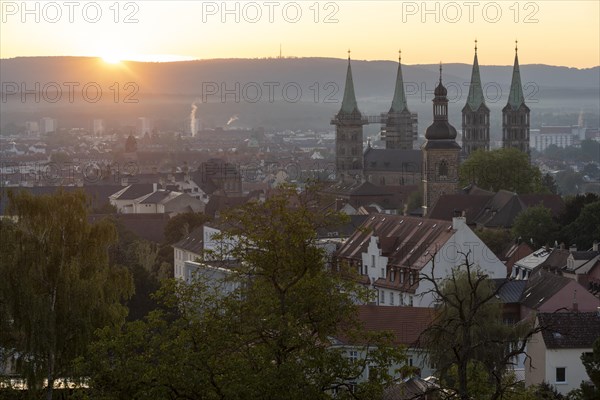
x=111, y=59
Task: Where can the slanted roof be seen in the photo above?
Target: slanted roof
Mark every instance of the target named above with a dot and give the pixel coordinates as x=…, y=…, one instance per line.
x=475, y=99
x=396, y=160
x=134, y=191
x=540, y=287
x=160, y=197
x=399, y=100
x=193, y=242
x=349, y=105
x=570, y=330
x=405, y=323
x=511, y=290
x=447, y=204
x=406, y=241
x=515, y=96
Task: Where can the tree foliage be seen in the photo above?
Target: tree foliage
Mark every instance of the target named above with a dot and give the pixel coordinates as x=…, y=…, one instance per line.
x=182, y=224
x=536, y=225
x=468, y=342
x=57, y=286
x=271, y=337
x=501, y=169
x=586, y=227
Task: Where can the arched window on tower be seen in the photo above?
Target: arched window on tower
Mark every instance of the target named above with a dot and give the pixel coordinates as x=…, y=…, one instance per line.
x=443, y=169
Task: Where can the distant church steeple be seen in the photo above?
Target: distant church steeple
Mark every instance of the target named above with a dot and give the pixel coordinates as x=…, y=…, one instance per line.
x=475, y=115
x=349, y=134
x=515, y=115
x=400, y=125
x=441, y=156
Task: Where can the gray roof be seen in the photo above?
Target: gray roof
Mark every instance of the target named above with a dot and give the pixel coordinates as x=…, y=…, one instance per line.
x=511, y=290
x=135, y=191
x=396, y=160
x=570, y=330
x=542, y=286
x=194, y=242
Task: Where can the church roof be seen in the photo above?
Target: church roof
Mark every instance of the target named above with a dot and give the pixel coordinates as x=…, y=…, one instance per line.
x=475, y=98
x=515, y=96
x=398, y=160
x=399, y=100
x=349, y=104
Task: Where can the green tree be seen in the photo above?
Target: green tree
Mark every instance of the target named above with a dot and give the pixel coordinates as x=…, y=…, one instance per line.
x=549, y=183
x=569, y=182
x=468, y=342
x=507, y=169
x=497, y=240
x=535, y=225
x=57, y=286
x=270, y=338
x=586, y=228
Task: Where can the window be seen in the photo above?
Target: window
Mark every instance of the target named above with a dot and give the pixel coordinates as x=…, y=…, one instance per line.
x=561, y=375
x=410, y=278
x=383, y=273
x=353, y=355
x=392, y=298
x=382, y=300
x=443, y=169
x=392, y=275
x=373, y=261
x=410, y=300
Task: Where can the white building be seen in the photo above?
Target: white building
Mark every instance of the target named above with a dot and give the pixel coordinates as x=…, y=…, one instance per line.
x=144, y=126
x=48, y=125
x=561, y=136
x=392, y=253
x=98, y=128
x=556, y=351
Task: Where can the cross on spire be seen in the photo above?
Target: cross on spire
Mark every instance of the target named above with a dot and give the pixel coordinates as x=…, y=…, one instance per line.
x=440, y=72
x=516, y=46
x=475, y=46
x=348, y=54
x=399, y=55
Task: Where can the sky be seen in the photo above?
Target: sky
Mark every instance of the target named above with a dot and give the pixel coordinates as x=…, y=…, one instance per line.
x=564, y=33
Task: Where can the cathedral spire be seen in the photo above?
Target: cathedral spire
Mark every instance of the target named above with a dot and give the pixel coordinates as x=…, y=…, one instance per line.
x=349, y=102
x=399, y=101
x=515, y=96
x=475, y=99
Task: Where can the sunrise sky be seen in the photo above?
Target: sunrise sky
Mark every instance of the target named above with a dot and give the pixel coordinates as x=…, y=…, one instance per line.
x=563, y=33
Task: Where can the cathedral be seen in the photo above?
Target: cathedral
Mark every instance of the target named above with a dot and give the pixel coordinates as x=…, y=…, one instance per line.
x=437, y=163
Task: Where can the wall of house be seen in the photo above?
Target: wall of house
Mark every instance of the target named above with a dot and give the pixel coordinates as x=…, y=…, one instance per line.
x=586, y=302
x=571, y=360
x=216, y=248
x=449, y=256
x=180, y=256
x=535, y=366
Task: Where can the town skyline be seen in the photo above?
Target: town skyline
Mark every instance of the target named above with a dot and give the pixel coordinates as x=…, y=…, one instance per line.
x=209, y=30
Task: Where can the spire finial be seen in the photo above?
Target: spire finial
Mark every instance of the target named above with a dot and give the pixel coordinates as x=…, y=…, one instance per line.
x=516, y=46
x=348, y=54
x=400, y=55
x=475, y=46
x=440, y=72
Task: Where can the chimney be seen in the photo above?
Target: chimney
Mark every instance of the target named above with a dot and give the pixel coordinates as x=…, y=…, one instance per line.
x=573, y=248
x=595, y=246
x=154, y=187
x=458, y=222
x=562, y=245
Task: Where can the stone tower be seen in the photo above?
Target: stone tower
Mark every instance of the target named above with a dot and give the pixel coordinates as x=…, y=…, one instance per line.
x=475, y=116
x=349, y=134
x=515, y=115
x=400, y=128
x=441, y=153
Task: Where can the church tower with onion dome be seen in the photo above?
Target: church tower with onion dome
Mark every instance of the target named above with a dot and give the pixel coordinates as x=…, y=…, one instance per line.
x=441, y=153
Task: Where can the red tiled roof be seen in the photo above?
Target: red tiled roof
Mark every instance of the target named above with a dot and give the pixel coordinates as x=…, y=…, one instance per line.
x=406, y=241
x=405, y=323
